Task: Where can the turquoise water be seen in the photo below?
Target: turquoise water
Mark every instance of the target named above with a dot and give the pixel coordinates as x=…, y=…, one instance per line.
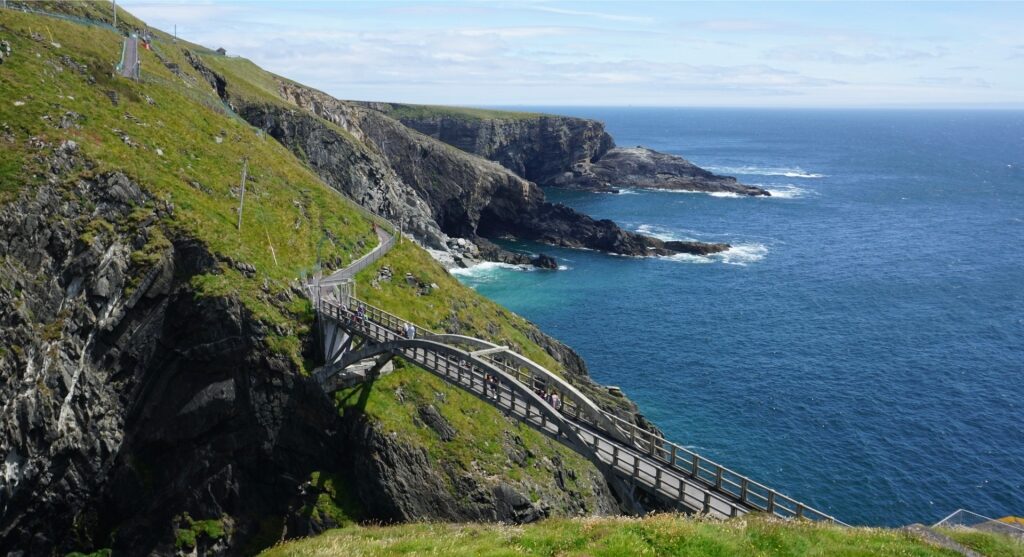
x=862, y=346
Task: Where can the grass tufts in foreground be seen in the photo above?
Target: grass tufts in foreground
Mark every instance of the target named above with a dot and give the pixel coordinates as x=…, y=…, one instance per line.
x=654, y=535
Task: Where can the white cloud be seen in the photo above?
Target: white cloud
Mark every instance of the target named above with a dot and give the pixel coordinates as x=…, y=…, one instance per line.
x=841, y=55
x=598, y=15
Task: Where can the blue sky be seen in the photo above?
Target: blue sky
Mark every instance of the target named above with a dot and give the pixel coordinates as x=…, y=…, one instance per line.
x=771, y=54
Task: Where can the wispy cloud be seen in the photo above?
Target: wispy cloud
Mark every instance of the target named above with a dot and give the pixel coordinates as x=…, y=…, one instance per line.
x=598, y=15
x=948, y=81
x=664, y=53
x=816, y=53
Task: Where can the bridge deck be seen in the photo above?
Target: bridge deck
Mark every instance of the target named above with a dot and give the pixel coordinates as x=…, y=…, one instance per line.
x=648, y=462
x=643, y=458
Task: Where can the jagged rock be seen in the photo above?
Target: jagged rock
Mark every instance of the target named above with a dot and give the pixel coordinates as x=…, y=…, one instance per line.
x=564, y=151
x=69, y=119
x=437, y=192
x=640, y=167
x=535, y=148
x=126, y=405
x=399, y=482
x=435, y=421
x=544, y=262
x=695, y=248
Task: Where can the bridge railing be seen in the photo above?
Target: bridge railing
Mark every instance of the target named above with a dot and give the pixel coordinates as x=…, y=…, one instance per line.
x=750, y=493
x=363, y=262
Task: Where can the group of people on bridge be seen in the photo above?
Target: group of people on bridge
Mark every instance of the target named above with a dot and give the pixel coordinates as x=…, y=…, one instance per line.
x=550, y=396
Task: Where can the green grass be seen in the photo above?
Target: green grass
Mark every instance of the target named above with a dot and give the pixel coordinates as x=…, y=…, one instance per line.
x=193, y=530
x=288, y=211
x=656, y=535
x=424, y=111
x=334, y=502
x=393, y=402
x=986, y=543
x=97, y=553
x=451, y=308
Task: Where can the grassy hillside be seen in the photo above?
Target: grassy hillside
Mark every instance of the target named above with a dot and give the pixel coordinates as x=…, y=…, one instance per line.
x=422, y=111
x=656, y=535
x=173, y=136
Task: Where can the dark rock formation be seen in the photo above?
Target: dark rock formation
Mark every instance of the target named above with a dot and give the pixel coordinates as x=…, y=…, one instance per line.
x=536, y=148
x=544, y=262
x=400, y=482
x=133, y=406
x=640, y=167
x=436, y=191
x=562, y=151
x=128, y=400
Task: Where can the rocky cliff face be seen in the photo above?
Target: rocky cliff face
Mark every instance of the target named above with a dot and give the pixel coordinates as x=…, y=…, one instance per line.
x=435, y=191
x=128, y=401
x=562, y=151
x=133, y=407
x=536, y=148
x=640, y=167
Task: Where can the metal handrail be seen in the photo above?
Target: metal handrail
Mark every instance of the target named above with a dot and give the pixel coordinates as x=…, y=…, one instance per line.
x=359, y=264
x=750, y=493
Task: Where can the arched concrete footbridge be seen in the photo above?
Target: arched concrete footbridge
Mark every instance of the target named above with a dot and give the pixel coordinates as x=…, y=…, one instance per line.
x=633, y=458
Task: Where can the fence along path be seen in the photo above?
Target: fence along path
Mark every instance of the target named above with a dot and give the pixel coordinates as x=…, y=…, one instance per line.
x=644, y=459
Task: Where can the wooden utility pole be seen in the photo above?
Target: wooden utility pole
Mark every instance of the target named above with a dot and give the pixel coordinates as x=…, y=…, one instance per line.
x=241, y=199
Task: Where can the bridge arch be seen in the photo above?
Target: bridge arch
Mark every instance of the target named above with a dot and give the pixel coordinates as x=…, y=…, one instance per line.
x=534, y=409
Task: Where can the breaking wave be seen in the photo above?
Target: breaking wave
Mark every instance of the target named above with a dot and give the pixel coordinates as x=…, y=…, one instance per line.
x=739, y=254
x=488, y=269
x=795, y=172
x=662, y=233
x=788, y=191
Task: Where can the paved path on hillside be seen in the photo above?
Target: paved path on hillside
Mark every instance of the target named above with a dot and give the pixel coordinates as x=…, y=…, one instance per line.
x=130, y=61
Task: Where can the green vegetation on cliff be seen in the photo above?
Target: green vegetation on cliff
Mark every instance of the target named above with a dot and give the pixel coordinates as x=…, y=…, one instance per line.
x=655, y=535
x=172, y=135
x=450, y=308
x=424, y=111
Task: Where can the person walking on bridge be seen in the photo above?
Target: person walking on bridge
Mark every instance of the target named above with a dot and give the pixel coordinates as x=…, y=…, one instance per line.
x=410, y=331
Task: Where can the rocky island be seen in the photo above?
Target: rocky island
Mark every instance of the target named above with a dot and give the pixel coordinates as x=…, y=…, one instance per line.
x=640, y=167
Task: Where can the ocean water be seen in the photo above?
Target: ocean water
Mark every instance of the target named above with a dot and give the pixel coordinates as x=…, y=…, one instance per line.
x=861, y=347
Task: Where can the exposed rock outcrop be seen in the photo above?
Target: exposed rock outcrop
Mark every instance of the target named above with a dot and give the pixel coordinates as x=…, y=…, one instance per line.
x=435, y=190
x=640, y=167
x=561, y=151
x=537, y=148
x=133, y=407
x=401, y=482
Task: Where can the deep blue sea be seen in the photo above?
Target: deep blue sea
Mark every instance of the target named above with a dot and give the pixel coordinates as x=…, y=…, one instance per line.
x=861, y=347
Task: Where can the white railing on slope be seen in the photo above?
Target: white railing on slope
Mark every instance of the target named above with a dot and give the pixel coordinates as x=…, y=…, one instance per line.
x=363, y=262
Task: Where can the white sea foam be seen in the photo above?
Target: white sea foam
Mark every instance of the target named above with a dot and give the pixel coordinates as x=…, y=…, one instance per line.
x=628, y=191
x=787, y=191
x=795, y=172
x=739, y=254
x=742, y=254
x=662, y=233
x=488, y=268
x=723, y=194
